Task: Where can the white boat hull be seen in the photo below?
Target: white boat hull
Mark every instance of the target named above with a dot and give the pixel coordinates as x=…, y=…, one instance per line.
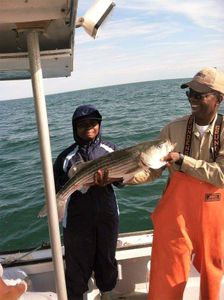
x=133, y=256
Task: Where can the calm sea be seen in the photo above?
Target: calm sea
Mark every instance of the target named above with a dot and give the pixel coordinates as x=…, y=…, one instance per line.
x=132, y=113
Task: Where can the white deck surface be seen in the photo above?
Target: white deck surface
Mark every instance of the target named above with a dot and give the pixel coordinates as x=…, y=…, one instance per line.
x=133, y=266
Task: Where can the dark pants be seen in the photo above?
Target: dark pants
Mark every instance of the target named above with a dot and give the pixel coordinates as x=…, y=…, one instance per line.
x=90, y=245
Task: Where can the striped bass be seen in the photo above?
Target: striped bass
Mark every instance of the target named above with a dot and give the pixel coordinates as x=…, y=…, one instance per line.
x=124, y=163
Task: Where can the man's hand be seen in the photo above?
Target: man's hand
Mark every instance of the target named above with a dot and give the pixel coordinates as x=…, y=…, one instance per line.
x=12, y=292
x=173, y=157
x=101, y=178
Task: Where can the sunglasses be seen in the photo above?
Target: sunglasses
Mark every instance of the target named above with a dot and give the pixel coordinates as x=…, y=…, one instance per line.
x=196, y=95
x=87, y=123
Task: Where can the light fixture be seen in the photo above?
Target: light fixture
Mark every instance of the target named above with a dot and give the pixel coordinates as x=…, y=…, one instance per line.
x=95, y=16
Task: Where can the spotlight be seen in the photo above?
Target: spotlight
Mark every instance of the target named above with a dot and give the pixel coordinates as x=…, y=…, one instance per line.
x=95, y=16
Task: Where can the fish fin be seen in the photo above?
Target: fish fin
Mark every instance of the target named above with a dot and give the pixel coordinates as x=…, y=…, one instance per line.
x=60, y=208
x=127, y=178
x=61, y=205
x=84, y=188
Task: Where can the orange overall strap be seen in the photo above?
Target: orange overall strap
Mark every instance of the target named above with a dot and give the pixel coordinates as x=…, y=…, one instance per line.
x=188, y=136
x=188, y=220
x=216, y=136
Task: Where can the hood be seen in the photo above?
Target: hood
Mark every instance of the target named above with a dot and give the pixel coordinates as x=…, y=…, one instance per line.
x=84, y=112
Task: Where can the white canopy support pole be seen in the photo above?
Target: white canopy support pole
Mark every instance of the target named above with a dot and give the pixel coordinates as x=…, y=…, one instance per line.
x=45, y=151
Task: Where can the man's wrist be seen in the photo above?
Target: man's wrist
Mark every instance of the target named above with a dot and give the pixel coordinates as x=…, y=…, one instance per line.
x=180, y=160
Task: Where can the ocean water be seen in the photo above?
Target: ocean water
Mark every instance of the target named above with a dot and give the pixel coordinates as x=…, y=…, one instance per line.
x=132, y=113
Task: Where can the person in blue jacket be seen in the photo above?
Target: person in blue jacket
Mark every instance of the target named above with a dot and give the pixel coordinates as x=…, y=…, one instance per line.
x=90, y=225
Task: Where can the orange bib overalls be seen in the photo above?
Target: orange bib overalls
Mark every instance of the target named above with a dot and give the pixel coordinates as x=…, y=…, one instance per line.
x=188, y=224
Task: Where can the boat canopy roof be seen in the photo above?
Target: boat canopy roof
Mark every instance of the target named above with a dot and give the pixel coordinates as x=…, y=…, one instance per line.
x=55, y=19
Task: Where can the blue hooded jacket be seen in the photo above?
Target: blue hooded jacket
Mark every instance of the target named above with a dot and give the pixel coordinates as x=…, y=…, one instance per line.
x=97, y=199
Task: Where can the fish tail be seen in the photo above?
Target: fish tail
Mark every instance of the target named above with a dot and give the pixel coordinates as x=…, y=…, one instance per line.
x=43, y=212
x=61, y=203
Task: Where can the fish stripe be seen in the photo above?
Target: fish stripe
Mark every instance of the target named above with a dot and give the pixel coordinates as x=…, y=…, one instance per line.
x=119, y=163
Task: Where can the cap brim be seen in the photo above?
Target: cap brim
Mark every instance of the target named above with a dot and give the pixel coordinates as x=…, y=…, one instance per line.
x=92, y=118
x=196, y=86
x=87, y=118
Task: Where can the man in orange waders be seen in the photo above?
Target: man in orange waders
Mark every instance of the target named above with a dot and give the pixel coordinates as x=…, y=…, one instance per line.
x=189, y=219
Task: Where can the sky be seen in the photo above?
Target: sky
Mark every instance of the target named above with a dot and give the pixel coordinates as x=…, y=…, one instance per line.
x=143, y=40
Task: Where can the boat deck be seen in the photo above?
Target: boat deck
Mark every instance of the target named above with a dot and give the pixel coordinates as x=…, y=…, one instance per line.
x=133, y=256
x=132, y=296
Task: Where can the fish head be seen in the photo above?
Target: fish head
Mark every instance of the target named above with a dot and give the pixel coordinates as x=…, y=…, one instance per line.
x=151, y=156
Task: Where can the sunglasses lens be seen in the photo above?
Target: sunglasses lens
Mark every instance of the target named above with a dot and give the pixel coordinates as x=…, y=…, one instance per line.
x=87, y=123
x=194, y=94
x=198, y=96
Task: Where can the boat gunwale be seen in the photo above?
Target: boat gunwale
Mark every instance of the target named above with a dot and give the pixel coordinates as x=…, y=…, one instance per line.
x=19, y=261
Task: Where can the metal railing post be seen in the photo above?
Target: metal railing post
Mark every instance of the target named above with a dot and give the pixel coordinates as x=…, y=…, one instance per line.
x=46, y=158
